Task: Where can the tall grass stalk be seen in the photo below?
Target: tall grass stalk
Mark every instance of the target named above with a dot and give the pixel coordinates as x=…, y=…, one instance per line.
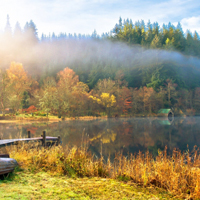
x=179, y=173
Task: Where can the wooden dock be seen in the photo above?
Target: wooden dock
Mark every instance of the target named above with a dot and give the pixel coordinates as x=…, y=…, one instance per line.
x=46, y=140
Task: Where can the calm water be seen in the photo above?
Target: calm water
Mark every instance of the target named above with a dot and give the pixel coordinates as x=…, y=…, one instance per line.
x=113, y=135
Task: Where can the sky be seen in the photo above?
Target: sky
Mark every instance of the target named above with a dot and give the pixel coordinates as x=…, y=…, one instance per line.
x=85, y=16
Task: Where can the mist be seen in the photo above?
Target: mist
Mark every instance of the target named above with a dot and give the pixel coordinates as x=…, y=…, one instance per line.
x=46, y=58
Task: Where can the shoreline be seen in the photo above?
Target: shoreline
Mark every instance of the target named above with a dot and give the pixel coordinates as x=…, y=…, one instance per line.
x=31, y=120
x=15, y=119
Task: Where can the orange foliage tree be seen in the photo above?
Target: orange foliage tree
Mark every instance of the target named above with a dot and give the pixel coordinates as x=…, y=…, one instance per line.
x=18, y=83
x=71, y=93
x=124, y=100
x=143, y=100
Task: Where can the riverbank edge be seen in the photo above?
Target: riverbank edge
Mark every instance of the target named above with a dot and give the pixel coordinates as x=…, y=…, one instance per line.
x=16, y=119
x=44, y=119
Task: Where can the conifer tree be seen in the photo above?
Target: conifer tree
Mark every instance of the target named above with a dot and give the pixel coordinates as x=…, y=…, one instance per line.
x=8, y=30
x=17, y=30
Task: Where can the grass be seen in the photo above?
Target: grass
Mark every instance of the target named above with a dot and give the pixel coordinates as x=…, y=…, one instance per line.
x=42, y=185
x=29, y=117
x=178, y=175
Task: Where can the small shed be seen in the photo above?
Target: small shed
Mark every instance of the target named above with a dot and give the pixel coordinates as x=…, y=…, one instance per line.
x=166, y=113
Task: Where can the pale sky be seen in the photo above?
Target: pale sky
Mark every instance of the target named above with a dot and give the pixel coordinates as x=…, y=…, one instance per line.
x=83, y=16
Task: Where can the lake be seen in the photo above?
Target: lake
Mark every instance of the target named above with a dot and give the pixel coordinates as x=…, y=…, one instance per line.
x=108, y=136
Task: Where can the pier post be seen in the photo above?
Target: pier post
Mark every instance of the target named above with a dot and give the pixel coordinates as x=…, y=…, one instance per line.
x=44, y=138
x=29, y=134
x=58, y=141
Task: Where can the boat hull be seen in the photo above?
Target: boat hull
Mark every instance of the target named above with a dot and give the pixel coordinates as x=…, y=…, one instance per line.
x=7, y=165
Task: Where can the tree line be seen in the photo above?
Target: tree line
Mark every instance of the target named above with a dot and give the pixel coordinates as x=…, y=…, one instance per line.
x=132, y=70
x=153, y=36
x=66, y=96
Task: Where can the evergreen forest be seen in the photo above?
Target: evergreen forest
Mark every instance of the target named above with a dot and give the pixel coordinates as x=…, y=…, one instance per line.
x=134, y=69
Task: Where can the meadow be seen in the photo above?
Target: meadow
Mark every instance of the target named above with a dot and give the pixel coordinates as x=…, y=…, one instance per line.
x=175, y=176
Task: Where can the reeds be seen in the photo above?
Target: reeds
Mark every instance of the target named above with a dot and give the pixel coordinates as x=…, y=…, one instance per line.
x=179, y=173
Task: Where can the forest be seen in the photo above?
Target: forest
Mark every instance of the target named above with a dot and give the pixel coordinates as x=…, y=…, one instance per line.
x=135, y=69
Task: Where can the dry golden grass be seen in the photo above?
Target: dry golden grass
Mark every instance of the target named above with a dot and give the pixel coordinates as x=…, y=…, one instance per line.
x=179, y=173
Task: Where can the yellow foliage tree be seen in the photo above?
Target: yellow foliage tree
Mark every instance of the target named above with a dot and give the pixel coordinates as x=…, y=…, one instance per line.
x=106, y=100
x=18, y=82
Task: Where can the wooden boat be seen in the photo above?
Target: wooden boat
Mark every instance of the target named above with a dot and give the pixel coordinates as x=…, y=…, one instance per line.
x=7, y=165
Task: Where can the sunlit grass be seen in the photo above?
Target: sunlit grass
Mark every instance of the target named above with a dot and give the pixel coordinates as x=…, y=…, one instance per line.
x=179, y=174
x=42, y=185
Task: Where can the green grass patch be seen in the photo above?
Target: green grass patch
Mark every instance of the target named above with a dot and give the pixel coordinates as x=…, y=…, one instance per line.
x=42, y=185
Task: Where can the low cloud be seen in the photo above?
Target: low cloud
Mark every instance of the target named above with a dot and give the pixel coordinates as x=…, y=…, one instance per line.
x=191, y=23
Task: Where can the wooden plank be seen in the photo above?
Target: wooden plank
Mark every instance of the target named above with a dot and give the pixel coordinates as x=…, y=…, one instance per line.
x=12, y=141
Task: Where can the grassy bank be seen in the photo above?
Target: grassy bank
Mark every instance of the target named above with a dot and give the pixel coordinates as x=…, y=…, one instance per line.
x=28, y=117
x=178, y=175
x=42, y=185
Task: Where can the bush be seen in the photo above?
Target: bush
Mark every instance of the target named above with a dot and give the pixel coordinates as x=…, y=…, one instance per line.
x=40, y=114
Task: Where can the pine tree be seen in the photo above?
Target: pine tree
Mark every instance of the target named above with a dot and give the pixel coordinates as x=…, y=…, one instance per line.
x=196, y=36
x=18, y=30
x=30, y=31
x=32, y=28
x=8, y=30
x=53, y=37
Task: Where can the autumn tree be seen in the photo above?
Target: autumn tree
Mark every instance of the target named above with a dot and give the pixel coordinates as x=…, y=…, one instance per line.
x=18, y=83
x=79, y=100
x=106, y=100
x=123, y=101
x=171, y=90
x=137, y=100
x=4, y=90
x=161, y=97
x=48, y=97
x=105, y=86
x=144, y=100
x=71, y=92
x=148, y=98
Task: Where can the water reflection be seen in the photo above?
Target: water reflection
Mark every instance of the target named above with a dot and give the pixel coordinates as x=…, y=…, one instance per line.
x=108, y=136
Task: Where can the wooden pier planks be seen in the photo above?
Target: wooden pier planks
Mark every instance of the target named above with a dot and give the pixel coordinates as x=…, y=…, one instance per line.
x=13, y=141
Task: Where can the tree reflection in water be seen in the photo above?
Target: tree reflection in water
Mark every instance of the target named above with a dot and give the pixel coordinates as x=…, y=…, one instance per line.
x=109, y=136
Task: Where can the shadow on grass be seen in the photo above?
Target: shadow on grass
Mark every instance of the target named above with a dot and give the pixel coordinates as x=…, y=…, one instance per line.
x=10, y=176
